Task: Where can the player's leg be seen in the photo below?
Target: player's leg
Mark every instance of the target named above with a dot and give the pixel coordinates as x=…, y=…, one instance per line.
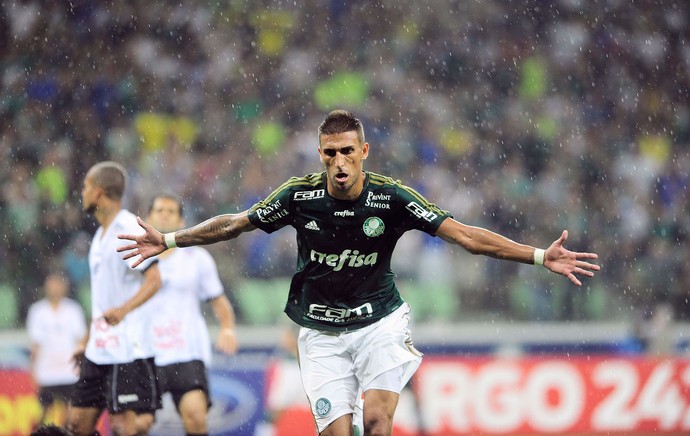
x=81, y=421
x=188, y=384
x=62, y=394
x=385, y=360
x=193, y=408
x=379, y=408
x=145, y=422
x=88, y=398
x=328, y=380
x=133, y=397
x=125, y=423
x=45, y=398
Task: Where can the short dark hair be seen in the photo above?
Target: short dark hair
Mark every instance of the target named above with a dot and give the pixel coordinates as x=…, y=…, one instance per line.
x=111, y=176
x=169, y=196
x=341, y=121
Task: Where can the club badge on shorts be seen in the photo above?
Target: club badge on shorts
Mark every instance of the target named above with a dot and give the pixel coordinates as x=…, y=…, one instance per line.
x=373, y=226
x=323, y=407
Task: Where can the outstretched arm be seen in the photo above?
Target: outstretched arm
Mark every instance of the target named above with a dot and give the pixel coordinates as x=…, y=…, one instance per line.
x=216, y=229
x=556, y=258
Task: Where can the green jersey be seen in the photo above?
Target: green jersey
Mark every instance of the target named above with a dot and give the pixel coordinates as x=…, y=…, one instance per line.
x=343, y=279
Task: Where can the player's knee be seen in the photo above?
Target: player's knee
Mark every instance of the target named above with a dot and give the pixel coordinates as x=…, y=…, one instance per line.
x=377, y=424
x=124, y=427
x=144, y=423
x=195, y=421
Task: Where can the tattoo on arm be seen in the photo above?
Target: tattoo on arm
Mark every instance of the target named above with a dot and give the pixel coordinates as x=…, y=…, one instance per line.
x=216, y=229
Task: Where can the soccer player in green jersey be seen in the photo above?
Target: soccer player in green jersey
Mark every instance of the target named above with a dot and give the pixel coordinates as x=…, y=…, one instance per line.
x=354, y=335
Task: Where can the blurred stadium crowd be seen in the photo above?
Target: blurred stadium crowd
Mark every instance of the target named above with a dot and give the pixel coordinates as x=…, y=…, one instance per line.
x=525, y=117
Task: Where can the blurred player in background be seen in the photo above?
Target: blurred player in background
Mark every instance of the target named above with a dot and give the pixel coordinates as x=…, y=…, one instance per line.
x=354, y=333
x=182, y=343
x=117, y=369
x=57, y=328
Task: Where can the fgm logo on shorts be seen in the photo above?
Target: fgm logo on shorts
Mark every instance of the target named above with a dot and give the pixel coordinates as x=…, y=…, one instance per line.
x=323, y=407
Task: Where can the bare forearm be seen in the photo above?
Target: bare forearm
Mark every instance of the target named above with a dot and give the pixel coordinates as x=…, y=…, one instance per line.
x=223, y=312
x=497, y=246
x=478, y=240
x=216, y=229
x=152, y=283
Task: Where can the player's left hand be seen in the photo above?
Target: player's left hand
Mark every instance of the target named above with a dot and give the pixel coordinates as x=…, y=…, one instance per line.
x=114, y=316
x=227, y=341
x=568, y=263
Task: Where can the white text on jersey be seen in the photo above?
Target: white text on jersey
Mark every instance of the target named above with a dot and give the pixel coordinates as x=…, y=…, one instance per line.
x=347, y=257
x=335, y=314
x=309, y=195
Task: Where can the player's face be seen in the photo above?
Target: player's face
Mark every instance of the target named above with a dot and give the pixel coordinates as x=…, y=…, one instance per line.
x=342, y=154
x=55, y=287
x=90, y=193
x=165, y=215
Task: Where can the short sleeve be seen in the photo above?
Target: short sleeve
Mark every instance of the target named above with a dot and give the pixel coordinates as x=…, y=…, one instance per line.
x=273, y=213
x=419, y=213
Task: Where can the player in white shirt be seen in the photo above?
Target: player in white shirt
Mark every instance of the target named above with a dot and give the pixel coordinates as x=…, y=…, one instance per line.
x=182, y=343
x=57, y=328
x=117, y=369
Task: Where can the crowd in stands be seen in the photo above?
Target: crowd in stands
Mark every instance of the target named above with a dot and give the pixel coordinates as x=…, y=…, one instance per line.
x=525, y=117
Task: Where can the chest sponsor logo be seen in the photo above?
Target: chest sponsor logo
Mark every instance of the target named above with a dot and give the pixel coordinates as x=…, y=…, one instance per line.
x=378, y=201
x=272, y=212
x=350, y=258
x=344, y=213
x=309, y=195
x=421, y=212
x=322, y=312
x=373, y=226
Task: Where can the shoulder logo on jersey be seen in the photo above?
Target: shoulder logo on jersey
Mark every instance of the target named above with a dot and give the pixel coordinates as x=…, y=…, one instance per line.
x=421, y=212
x=271, y=212
x=309, y=195
x=378, y=201
x=373, y=226
x=311, y=225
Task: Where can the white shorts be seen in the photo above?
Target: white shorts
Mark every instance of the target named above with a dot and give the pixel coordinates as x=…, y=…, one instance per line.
x=336, y=368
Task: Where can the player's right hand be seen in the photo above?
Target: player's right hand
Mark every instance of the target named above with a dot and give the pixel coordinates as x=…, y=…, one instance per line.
x=148, y=244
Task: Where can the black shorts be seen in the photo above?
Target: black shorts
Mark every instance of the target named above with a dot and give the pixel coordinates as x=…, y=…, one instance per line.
x=180, y=378
x=118, y=387
x=49, y=394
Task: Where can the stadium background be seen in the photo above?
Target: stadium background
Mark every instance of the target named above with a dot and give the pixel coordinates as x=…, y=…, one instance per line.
x=525, y=117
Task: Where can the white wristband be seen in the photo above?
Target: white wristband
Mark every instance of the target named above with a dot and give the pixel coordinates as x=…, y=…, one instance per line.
x=170, y=240
x=539, y=256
